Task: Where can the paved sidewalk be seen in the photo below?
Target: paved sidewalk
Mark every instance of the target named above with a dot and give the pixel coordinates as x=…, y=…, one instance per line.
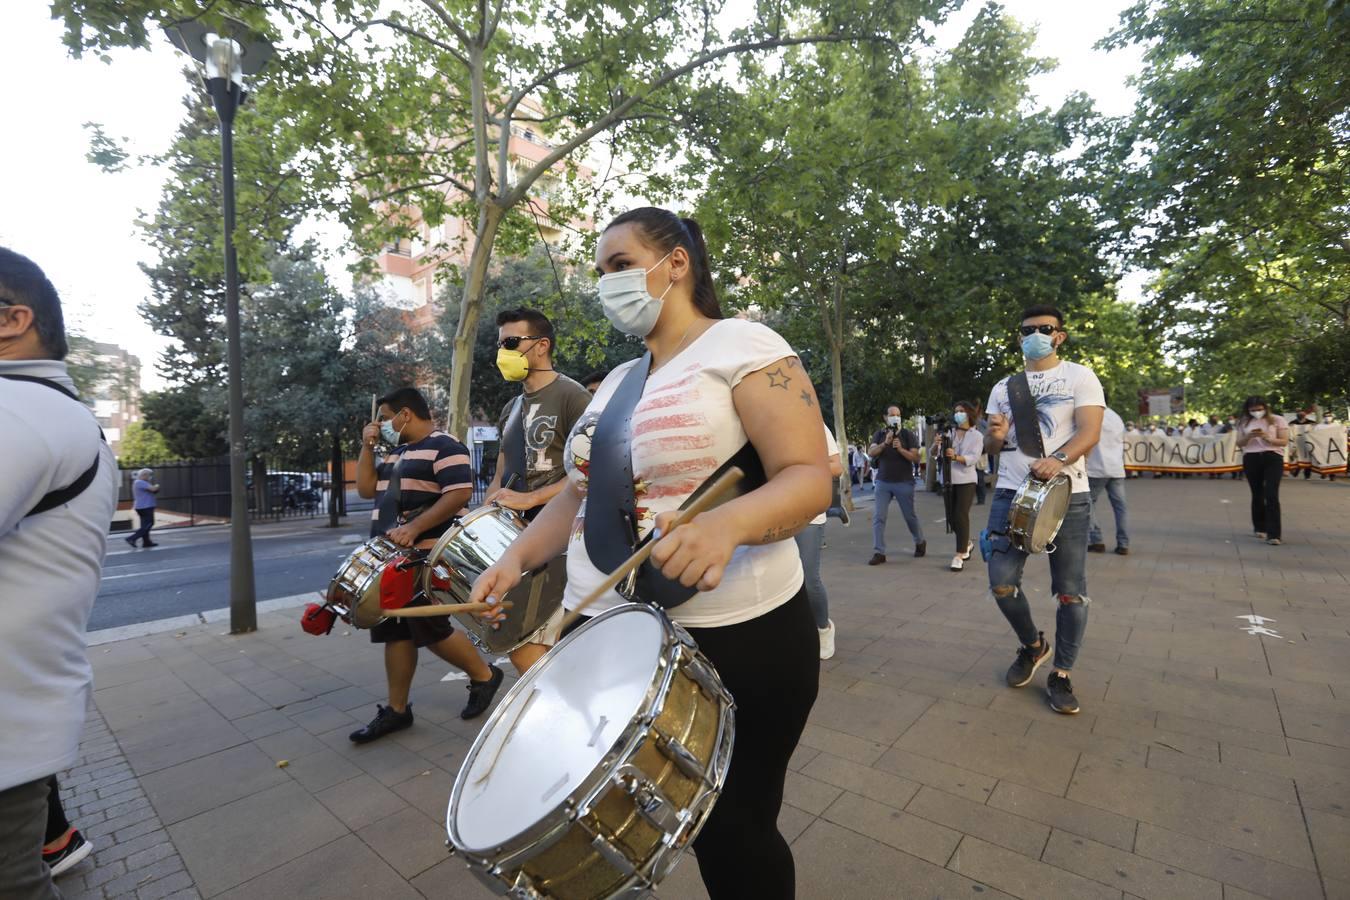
x=1207, y=762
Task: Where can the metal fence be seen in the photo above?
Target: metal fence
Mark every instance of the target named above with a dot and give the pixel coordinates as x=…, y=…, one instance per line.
x=197, y=492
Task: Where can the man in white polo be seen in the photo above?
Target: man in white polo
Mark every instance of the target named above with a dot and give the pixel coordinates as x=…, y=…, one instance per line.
x=56, y=503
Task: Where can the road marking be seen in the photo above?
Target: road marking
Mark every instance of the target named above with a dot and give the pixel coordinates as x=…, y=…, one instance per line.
x=1261, y=629
x=158, y=571
x=1255, y=620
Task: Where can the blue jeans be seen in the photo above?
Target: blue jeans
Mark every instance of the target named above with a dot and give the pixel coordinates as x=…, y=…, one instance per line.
x=809, y=541
x=903, y=492
x=1068, y=577
x=1115, y=492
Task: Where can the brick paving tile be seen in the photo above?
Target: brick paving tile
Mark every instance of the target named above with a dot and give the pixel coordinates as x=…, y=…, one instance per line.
x=1207, y=762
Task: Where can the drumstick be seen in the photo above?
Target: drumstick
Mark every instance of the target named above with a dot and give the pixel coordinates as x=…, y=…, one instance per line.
x=710, y=497
x=374, y=407
x=444, y=609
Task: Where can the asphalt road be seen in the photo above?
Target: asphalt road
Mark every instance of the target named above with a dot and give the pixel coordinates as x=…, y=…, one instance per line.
x=189, y=572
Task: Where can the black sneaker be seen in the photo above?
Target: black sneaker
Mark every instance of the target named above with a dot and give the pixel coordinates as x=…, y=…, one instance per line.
x=920, y=548
x=1060, y=692
x=1028, y=660
x=481, y=694
x=1096, y=548
x=877, y=559
x=130, y=540
x=149, y=543
x=386, y=721
x=69, y=856
x=844, y=516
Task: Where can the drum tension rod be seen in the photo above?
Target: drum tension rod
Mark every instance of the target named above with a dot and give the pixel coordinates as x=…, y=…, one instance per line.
x=677, y=753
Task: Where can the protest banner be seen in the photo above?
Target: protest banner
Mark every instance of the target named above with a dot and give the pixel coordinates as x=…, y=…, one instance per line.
x=1321, y=448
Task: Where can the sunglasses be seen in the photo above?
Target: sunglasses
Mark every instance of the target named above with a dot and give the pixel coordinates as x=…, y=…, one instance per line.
x=1043, y=329
x=513, y=342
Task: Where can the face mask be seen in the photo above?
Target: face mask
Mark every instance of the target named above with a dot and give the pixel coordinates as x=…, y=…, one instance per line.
x=627, y=303
x=959, y=418
x=1327, y=419
x=390, y=434
x=512, y=364
x=893, y=421
x=1037, y=346
x=1258, y=414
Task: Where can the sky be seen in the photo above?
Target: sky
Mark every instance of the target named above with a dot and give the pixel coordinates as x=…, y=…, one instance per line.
x=79, y=223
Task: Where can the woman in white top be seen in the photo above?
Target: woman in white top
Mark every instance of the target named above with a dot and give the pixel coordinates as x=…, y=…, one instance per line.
x=964, y=444
x=1262, y=439
x=714, y=383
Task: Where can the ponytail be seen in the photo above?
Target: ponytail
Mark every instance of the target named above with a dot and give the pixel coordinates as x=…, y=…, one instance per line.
x=663, y=230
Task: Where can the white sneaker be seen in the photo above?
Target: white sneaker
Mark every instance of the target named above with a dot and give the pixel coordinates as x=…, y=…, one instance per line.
x=826, y=640
x=969, y=549
x=958, y=562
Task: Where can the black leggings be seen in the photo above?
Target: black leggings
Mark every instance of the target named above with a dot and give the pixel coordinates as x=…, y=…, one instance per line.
x=56, y=814
x=962, y=495
x=771, y=666
x=1264, y=472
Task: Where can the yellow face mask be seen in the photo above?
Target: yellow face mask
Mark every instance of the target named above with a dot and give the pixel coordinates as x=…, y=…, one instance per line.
x=512, y=364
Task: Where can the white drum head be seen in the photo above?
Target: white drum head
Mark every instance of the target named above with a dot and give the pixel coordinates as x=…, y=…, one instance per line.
x=560, y=721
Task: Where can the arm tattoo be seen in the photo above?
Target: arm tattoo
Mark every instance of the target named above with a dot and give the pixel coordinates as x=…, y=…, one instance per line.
x=778, y=378
x=776, y=534
x=806, y=398
x=792, y=362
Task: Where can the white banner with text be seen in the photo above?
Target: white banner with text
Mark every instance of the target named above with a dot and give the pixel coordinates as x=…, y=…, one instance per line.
x=1321, y=448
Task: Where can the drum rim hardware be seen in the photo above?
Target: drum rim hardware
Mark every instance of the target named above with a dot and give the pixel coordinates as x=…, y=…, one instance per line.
x=1026, y=542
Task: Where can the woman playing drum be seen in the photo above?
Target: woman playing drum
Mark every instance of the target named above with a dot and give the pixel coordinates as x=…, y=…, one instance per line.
x=714, y=383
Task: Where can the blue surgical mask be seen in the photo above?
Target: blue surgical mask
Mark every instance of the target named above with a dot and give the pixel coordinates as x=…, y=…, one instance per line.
x=391, y=435
x=1037, y=346
x=959, y=418
x=627, y=303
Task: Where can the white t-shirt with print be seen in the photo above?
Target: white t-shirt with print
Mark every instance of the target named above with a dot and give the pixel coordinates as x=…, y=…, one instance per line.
x=684, y=427
x=1107, y=459
x=1057, y=392
x=831, y=449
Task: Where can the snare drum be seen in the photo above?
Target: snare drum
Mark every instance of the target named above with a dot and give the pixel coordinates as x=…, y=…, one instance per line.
x=354, y=592
x=1038, y=510
x=600, y=765
x=466, y=549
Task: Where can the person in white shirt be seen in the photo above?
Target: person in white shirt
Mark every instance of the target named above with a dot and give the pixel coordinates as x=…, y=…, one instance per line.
x=962, y=446
x=1069, y=404
x=810, y=542
x=714, y=383
x=1106, y=472
x=56, y=503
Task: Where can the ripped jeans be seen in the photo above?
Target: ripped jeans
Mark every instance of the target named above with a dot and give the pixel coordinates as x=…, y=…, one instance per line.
x=1068, y=577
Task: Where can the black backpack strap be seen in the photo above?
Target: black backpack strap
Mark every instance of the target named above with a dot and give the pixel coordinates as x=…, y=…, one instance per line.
x=1025, y=420
x=60, y=496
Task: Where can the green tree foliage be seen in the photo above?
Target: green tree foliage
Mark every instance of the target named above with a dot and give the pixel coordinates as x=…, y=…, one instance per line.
x=192, y=428
x=410, y=109
x=142, y=446
x=893, y=216
x=1235, y=189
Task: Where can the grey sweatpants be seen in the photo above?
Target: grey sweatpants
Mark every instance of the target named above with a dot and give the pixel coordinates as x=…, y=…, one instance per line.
x=23, y=827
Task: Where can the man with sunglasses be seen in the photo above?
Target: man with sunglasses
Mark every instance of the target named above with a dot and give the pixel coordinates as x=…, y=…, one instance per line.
x=56, y=502
x=533, y=428
x=1069, y=406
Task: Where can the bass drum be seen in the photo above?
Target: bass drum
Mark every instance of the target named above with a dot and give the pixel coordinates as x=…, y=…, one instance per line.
x=470, y=546
x=1037, y=512
x=599, y=767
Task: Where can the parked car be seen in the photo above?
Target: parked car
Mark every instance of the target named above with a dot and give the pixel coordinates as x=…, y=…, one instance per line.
x=290, y=490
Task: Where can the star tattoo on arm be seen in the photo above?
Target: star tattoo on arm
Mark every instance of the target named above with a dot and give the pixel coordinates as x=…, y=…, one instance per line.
x=778, y=378
x=806, y=398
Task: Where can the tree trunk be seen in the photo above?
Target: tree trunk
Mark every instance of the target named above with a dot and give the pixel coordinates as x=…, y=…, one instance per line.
x=470, y=305
x=832, y=315
x=336, y=486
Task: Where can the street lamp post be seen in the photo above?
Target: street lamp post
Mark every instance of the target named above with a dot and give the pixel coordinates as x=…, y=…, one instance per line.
x=229, y=51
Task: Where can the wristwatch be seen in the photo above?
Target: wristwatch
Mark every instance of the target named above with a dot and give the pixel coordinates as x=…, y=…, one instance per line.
x=1061, y=456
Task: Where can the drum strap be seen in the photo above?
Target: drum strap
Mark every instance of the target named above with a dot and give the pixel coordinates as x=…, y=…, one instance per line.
x=387, y=517
x=513, y=445
x=61, y=496
x=611, y=526
x=1029, y=440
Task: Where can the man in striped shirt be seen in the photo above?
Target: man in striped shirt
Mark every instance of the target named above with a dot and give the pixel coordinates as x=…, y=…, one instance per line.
x=434, y=481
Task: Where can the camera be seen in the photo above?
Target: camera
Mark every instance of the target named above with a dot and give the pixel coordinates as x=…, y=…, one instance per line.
x=938, y=421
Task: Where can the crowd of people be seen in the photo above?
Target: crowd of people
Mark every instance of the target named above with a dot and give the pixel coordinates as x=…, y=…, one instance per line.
x=593, y=469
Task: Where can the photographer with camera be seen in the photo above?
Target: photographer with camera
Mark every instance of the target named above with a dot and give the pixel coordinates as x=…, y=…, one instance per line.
x=958, y=449
x=894, y=451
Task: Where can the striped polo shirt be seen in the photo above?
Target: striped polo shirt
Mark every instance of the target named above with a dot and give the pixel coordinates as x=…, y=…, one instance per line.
x=430, y=467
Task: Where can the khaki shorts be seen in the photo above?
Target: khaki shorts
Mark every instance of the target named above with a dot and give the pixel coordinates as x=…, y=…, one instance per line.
x=551, y=633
